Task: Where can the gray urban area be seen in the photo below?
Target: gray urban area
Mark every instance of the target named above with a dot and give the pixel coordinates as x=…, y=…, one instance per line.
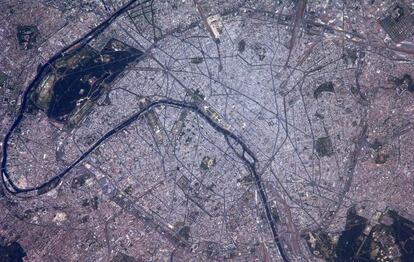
x=207, y=130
